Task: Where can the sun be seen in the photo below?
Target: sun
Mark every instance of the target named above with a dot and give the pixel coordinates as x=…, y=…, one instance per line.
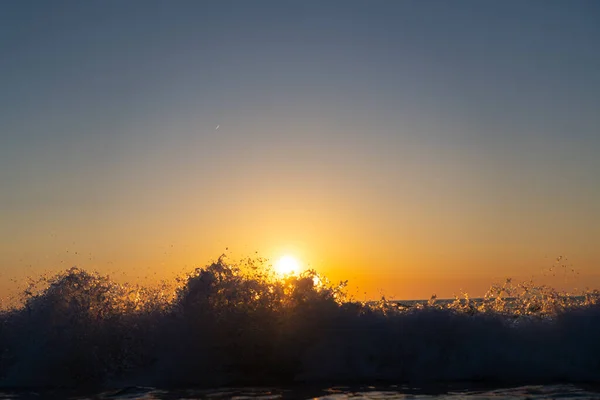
x=287, y=265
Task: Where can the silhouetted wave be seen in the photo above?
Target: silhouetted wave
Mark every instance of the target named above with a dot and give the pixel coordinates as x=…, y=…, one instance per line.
x=238, y=325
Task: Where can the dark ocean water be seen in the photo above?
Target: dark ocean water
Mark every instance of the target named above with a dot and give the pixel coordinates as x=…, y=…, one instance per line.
x=81, y=335
x=533, y=392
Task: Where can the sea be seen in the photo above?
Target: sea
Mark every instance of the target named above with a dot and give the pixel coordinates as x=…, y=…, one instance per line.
x=237, y=331
x=382, y=392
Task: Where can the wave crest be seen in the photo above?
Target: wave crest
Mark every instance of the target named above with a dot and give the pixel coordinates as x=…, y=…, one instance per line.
x=237, y=324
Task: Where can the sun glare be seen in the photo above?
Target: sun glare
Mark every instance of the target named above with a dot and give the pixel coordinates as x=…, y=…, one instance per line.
x=287, y=265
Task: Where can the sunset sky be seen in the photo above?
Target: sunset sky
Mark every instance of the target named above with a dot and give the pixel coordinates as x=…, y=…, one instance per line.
x=412, y=147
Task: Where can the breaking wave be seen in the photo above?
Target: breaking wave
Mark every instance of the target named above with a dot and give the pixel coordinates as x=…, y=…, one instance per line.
x=236, y=325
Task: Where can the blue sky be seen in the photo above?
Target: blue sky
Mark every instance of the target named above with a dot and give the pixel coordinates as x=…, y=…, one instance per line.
x=477, y=116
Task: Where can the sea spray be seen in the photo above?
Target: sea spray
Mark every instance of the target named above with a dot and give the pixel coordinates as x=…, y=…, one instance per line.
x=240, y=324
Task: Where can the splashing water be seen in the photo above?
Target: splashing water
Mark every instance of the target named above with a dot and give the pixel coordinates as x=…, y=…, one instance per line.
x=238, y=325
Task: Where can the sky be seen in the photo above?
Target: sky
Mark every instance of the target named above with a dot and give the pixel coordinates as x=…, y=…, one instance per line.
x=411, y=147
